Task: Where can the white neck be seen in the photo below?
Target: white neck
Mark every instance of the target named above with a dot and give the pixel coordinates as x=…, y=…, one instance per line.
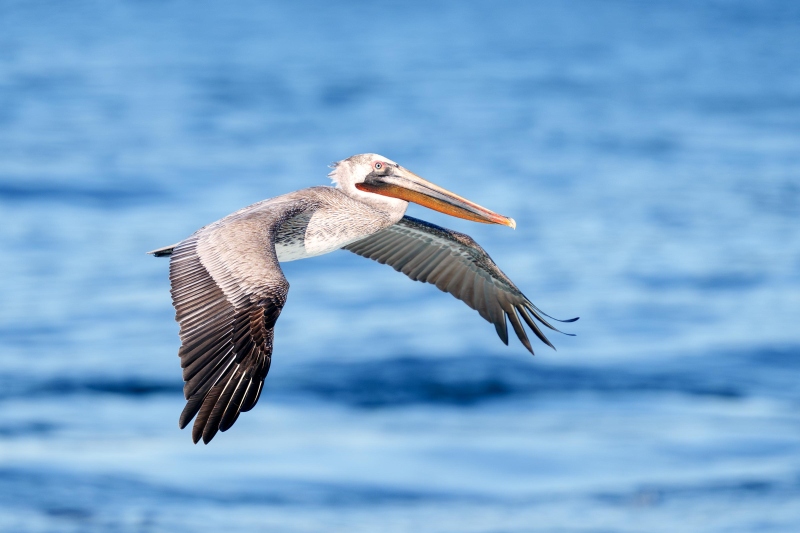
x=344, y=180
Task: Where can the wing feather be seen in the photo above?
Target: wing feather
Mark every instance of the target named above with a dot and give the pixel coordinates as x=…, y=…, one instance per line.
x=228, y=291
x=456, y=264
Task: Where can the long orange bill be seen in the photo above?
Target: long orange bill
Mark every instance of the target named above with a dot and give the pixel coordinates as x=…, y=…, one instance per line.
x=407, y=186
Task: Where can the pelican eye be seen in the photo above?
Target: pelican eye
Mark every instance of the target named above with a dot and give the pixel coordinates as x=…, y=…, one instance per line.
x=378, y=165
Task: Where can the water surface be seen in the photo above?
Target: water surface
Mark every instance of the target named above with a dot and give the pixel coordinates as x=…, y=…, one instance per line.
x=649, y=154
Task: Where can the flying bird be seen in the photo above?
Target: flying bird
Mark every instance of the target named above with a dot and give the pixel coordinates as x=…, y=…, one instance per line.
x=228, y=288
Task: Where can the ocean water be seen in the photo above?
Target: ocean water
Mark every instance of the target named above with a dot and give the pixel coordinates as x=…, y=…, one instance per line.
x=650, y=153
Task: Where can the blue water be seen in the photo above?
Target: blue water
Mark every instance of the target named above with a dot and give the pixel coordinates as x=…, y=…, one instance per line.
x=650, y=153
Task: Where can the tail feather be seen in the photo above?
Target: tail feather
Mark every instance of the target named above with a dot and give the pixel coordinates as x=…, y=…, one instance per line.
x=163, y=252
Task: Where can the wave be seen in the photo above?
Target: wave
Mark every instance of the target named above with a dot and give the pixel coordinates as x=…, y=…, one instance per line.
x=92, y=493
x=466, y=381
x=470, y=380
x=80, y=195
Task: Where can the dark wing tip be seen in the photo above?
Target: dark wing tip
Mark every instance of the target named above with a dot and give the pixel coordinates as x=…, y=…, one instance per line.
x=502, y=329
x=511, y=313
x=552, y=317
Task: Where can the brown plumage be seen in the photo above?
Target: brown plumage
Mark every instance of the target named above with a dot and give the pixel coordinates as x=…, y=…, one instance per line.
x=228, y=288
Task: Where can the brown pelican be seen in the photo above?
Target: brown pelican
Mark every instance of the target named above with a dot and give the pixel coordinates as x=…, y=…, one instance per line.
x=228, y=288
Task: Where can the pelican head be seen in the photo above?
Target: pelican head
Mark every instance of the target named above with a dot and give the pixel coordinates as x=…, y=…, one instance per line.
x=379, y=181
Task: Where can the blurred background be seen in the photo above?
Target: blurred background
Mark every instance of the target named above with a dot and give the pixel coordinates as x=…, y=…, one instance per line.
x=650, y=153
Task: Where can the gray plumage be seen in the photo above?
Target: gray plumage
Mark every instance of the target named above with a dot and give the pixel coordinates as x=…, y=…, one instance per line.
x=228, y=288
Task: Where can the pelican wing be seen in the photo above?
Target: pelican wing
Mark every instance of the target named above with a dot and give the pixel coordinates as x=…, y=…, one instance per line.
x=228, y=290
x=458, y=265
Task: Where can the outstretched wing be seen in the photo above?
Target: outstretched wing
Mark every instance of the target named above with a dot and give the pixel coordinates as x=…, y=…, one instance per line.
x=456, y=264
x=228, y=290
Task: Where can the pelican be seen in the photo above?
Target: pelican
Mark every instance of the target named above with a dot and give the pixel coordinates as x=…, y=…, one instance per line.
x=228, y=288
